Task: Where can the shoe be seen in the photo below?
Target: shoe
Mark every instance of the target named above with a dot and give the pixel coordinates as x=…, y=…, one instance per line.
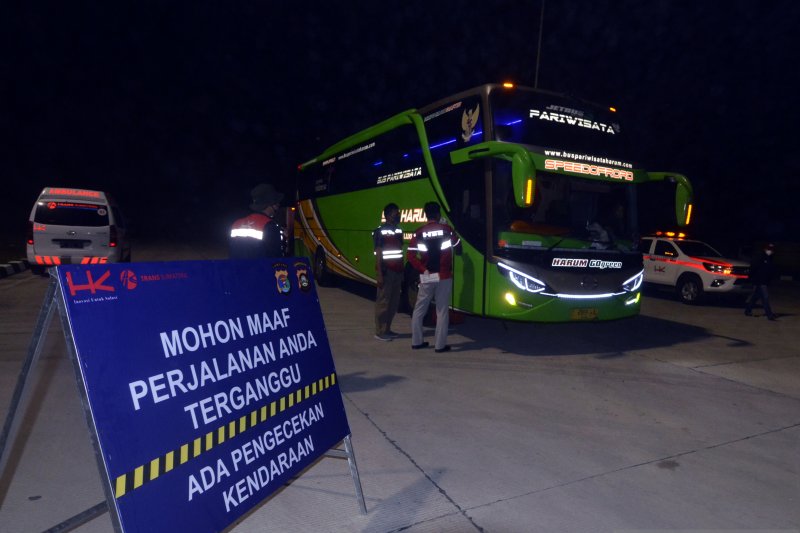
x=419, y=346
x=442, y=350
x=772, y=317
x=383, y=337
x=748, y=313
x=392, y=334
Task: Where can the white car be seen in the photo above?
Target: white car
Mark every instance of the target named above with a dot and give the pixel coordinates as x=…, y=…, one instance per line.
x=75, y=226
x=692, y=267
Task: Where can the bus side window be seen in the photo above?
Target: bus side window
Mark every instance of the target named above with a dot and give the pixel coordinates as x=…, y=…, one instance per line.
x=463, y=186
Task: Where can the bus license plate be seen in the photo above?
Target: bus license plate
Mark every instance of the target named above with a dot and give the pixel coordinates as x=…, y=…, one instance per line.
x=587, y=313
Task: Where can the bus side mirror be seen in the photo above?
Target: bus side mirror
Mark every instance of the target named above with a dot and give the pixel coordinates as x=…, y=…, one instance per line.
x=683, y=200
x=684, y=196
x=523, y=177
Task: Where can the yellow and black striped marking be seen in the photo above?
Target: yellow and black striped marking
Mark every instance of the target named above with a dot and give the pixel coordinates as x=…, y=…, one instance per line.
x=163, y=464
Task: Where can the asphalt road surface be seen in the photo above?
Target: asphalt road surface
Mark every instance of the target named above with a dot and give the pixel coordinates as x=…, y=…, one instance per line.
x=684, y=418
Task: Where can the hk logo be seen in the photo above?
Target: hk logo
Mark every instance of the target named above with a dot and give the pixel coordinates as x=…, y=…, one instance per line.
x=91, y=284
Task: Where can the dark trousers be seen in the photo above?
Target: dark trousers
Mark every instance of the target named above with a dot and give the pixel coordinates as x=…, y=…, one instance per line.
x=387, y=300
x=760, y=292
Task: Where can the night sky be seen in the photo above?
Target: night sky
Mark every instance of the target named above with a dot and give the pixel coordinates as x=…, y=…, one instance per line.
x=179, y=108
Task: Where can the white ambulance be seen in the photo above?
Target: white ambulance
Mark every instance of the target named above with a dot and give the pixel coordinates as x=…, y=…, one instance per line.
x=75, y=226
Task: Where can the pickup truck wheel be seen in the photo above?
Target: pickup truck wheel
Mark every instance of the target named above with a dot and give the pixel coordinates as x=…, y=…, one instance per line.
x=690, y=289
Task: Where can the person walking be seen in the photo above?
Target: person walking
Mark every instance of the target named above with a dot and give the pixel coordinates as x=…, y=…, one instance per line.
x=388, y=244
x=259, y=234
x=762, y=270
x=430, y=252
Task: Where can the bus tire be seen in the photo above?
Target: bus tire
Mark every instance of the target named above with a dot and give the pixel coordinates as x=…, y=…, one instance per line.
x=322, y=273
x=690, y=289
x=38, y=270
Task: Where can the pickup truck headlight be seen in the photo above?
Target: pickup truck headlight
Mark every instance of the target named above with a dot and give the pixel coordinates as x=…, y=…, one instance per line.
x=717, y=268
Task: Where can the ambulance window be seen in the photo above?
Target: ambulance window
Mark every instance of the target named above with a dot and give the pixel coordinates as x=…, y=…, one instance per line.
x=644, y=246
x=665, y=248
x=61, y=213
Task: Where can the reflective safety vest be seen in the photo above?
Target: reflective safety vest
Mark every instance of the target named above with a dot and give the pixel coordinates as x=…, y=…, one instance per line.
x=431, y=249
x=388, y=241
x=256, y=235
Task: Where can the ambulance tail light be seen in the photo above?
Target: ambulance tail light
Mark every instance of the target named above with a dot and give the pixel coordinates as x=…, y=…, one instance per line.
x=29, y=238
x=112, y=237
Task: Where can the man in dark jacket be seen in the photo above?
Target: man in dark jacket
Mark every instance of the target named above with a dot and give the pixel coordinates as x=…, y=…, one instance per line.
x=762, y=270
x=259, y=234
x=388, y=244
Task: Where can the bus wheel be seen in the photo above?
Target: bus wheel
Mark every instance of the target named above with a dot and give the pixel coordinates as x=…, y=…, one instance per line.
x=690, y=289
x=321, y=272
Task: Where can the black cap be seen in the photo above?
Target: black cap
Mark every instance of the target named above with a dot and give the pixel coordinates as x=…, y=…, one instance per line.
x=264, y=195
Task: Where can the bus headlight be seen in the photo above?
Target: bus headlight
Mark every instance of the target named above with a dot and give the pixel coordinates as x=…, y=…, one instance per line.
x=523, y=281
x=633, y=284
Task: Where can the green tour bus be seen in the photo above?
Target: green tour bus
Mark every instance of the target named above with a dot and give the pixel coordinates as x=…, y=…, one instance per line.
x=535, y=183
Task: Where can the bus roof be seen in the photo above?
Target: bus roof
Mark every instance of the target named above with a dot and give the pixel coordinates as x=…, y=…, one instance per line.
x=405, y=117
x=363, y=136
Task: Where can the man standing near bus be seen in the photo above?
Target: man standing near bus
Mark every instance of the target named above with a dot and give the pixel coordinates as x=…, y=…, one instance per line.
x=431, y=253
x=388, y=244
x=259, y=234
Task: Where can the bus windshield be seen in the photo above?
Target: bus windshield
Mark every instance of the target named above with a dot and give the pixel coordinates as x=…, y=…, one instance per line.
x=551, y=123
x=567, y=212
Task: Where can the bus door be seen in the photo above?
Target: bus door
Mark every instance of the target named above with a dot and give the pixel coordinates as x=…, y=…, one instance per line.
x=466, y=196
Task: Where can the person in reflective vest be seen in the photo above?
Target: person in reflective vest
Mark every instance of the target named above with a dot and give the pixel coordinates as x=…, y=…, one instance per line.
x=388, y=244
x=431, y=254
x=258, y=234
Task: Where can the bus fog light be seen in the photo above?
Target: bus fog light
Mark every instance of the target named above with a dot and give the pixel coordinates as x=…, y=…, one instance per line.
x=510, y=298
x=635, y=299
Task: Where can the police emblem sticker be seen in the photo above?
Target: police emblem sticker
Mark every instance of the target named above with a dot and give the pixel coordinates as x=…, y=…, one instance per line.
x=302, y=276
x=282, y=278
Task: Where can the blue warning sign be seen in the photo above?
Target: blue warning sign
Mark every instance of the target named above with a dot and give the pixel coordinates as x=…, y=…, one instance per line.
x=209, y=383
